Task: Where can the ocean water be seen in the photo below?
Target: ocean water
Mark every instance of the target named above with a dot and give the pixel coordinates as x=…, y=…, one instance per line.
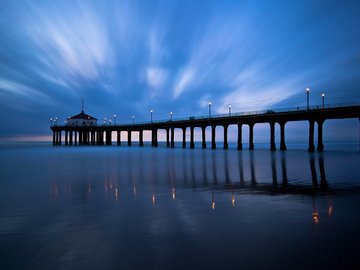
x=157, y=208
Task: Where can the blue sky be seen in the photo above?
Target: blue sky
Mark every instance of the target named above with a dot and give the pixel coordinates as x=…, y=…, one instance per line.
x=130, y=57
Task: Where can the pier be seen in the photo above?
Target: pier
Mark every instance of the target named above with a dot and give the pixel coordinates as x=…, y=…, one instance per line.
x=314, y=115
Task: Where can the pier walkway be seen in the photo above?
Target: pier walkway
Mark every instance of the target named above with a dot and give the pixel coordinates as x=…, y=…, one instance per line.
x=101, y=134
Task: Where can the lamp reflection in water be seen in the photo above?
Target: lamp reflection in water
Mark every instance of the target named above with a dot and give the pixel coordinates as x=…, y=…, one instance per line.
x=153, y=199
x=330, y=210
x=315, y=214
x=173, y=193
x=212, y=201
x=134, y=191
x=116, y=193
x=233, y=199
x=54, y=189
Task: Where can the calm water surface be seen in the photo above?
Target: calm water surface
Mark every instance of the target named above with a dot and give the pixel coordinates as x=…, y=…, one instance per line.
x=147, y=208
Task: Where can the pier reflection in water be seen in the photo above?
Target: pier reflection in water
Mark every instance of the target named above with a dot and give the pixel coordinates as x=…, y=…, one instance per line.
x=92, y=208
x=213, y=173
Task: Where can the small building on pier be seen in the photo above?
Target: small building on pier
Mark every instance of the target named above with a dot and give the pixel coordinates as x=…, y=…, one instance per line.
x=81, y=119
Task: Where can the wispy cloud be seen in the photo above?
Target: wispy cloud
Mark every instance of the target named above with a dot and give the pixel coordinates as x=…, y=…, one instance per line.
x=22, y=91
x=184, y=79
x=75, y=48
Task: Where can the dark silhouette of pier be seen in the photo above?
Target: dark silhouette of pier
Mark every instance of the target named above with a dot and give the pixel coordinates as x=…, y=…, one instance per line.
x=101, y=134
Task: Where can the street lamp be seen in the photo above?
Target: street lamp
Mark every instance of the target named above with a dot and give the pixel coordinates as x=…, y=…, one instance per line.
x=104, y=120
x=56, y=121
x=171, y=116
x=50, y=122
x=133, y=119
x=209, y=109
x=114, y=119
x=307, y=97
x=229, y=109
x=151, y=112
x=323, y=100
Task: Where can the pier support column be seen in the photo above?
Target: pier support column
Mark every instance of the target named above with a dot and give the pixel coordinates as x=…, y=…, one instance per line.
x=66, y=137
x=172, y=137
x=272, y=136
x=167, y=137
x=320, y=146
x=93, y=137
x=129, y=137
x=76, y=137
x=141, y=138
x=239, y=142
x=53, y=137
x=59, y=134
x=80, y=137
x=282, y=136
x=226, y=145
x=251, y=136
x=118, y=137
x=192, y=144
x=184, y=137
x=71, y=137
x=154, y=138
x=213, y=135
x=108, y=137
x=311, y=136
x=85, y=137
x=203, y=129
x=102, y=137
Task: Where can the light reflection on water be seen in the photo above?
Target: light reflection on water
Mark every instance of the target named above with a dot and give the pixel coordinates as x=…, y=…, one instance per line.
x=135, y=208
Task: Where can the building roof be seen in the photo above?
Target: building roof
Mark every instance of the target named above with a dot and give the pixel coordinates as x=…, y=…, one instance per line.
x=83, y=116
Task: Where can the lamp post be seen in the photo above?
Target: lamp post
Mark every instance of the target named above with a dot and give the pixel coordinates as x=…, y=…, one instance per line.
x=171, y=116
x=104, y=120
x=323, y=100
x=50, y=122
x=229, y=109
x=209, y=109
x=114, y=119
x=55, y=121
x=151, y=113
x=133, y=119
x=307, y=98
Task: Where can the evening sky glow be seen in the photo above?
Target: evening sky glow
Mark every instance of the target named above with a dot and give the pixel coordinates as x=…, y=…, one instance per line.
x=130, y=57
